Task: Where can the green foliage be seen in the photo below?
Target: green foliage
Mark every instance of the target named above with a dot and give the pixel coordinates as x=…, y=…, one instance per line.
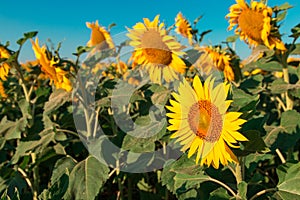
x=45, y=154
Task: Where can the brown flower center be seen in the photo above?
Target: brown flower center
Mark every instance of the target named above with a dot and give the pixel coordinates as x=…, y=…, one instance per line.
x=205, y=120
x=252, y=24
x=154, y=49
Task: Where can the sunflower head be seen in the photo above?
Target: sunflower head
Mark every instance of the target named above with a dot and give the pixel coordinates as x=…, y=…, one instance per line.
x=254, y=24
x=202, y=123
x=156, y=51
x=215, y=58
x=100, y=37
x=4, y=67
x=48, y=67
x=183, y=27
x=2, y=91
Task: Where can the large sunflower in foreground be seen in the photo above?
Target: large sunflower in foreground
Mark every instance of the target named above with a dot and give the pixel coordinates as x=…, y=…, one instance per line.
x=254, y=24
x=55, y=74
x=100, y=37
x=4, y=67
x=156, y=51
x=218, y=58
x=183, y=27
x=202, y=124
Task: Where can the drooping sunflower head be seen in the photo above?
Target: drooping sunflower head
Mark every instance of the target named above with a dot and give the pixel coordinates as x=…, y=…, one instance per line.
x=215, y=58
x=183, y=27
x=254, y=24
x=156, y=51
x=4, y=67
x=48, y=67
x=2, y=91
x=100, y=37
x=202, y=123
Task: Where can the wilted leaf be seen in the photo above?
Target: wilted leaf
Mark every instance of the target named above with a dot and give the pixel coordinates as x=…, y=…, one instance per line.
x=56, y=99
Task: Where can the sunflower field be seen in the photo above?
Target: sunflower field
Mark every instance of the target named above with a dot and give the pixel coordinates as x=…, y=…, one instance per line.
x=155, y=113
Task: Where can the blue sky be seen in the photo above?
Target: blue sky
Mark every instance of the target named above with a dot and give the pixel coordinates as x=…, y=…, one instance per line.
x=64, y=21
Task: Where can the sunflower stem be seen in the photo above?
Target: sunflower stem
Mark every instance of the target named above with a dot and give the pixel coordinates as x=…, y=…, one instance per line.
x=238, y=173
x=263, y=192
x=223, y=185
x=289, y=101
x=280, y=156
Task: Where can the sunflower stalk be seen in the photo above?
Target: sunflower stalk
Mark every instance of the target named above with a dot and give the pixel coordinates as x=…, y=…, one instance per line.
x=238, y=173
x=289, y=101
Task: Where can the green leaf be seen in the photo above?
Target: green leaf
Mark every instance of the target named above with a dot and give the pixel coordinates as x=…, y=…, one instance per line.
x=189, y=181
x=138, y=145
x=281, y=16
x=279, y=86
x=290, y=120
x=111, y=25
x=242, y=190
x=244, y=102
x=296, y=49
x=284, y=135
x=21, y=41
x=232, y=38
x=56, y=99
x=14, y=196
x=56, y=190
x=270, y=66
x=12, y=130
x=37, y=144
x=253, y=84
x=219, y=194
x=255, y=158
x=289, y=178
x=14, y=183
x=197, y=19
x=255, y=143
x=296, y=31
x=284, y=6
x=29, y=35
x=60, y=167
x=86, y=179
x=160, y=97
x=142, y=185
x=181, y=175
x=24, y=107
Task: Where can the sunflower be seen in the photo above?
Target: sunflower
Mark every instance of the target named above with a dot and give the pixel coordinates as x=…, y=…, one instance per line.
x=100, y=37
x=156, y=51
x=218, y=58
x=4, y=67
x=183, y=27
x=2, y=91
x=254, y=24
x=55, y=74
x=202, y=124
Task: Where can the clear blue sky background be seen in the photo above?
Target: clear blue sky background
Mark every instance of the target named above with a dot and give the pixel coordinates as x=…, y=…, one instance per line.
x=64, y=21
